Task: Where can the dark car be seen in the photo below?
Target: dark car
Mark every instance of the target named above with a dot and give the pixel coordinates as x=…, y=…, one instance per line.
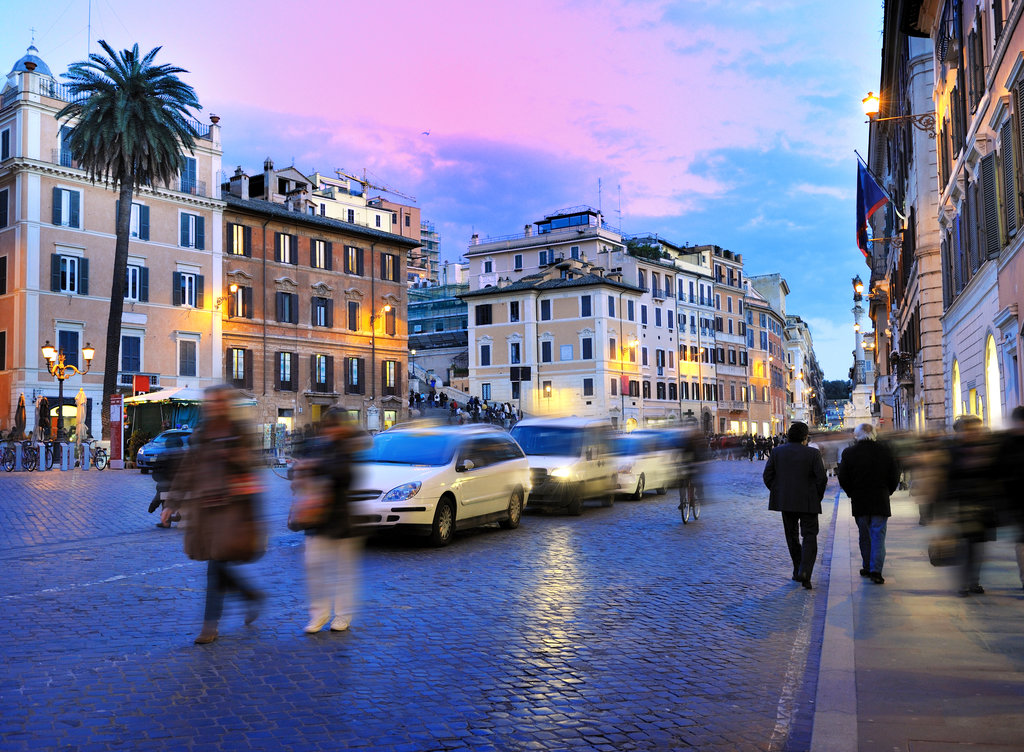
x=168, y=443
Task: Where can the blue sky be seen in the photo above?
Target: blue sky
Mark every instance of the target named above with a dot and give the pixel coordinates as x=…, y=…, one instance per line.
x=731, y=122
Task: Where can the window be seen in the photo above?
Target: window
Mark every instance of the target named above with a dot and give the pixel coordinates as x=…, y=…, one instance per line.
x=138, y=223
x=286, y=248
x=641, y=279
x=482, y=312
x=353, y=260
x=673, y=392
x=137, y=284
x=585, y=306
x=3, y=275
x=131, y=353
x=239, y=240
x=389, y=376
x=241, y=303
x=514, y=352
x=188, y=289
x=287, y=307
x=353, y=316
x=611, y=306
x=320, y=254
x=286, y=371
x=389, y=267
x=188, y=350
x=192, y=231
x=588, y=387
x=615, y=387
x=587, y=348
x=517, y=262
x=513, y=311
x=671, y=320
x=4, y=207
x=643, y=356
x=67, y=342
x=5, y=144
x=646, y=389
x=322, y=312
x=69, y=274
x=612, y=349
x=659, y=390
x=3, y=350
x=545, y=352
x=390, y=321
x=377, y=219
x=354, y=376
x=485, y=355
x=65, y=146
x=516, y=390
x=643, y=315
x=574, y=251
x=485, y=392
x=630, y=313
x=488, y=267
x=239, y=367
x=545, y=310
x=565, y=352
x=321, y=372
x=407, y=220
x=545, y=257
x=351, y=215
x=67, y=207
x=671, y=359
x=189, y=184
x=657, y=317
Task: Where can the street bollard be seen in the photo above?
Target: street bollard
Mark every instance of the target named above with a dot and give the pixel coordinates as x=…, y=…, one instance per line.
x=17, y=457
x=42, y=455
x=67, y=461
x=85, y=456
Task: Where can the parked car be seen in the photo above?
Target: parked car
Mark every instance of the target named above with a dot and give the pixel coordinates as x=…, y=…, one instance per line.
x=644, y=462
x=569, y=461
x=438, y=479
x=169, y=442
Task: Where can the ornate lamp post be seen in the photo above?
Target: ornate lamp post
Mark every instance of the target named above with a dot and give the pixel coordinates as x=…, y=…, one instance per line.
x=872, y=108
x=62, y=372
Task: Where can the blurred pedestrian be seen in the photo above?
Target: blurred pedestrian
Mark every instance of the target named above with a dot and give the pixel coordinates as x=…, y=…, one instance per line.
x=332, y=548
x=1011, y=473
x=795, y=476
x=217, y=492
x=869, y=474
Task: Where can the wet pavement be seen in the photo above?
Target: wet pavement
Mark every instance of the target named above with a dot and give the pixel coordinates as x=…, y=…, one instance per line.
x=622, y=629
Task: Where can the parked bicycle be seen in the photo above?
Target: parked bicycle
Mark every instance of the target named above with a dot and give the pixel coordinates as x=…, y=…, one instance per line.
x=97, y=454
x=29, y=456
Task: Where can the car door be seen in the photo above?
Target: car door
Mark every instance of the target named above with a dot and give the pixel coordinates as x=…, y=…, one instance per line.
x=505, y=472
x=471, y=483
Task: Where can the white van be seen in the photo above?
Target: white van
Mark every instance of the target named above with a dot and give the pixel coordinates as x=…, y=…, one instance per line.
x=569, y=461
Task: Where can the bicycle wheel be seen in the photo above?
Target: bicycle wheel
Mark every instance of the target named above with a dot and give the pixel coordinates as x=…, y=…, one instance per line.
x=100, y=459
x=49, y=457
x=8, y=459
x=686, y=504
x=696, y=506
x=283, y=469
x=30, y=458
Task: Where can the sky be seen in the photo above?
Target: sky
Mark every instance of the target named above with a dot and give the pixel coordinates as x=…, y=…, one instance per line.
x=732, y=122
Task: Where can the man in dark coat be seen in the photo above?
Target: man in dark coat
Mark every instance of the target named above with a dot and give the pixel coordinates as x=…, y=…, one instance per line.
x=795, y=475
x=869, y=474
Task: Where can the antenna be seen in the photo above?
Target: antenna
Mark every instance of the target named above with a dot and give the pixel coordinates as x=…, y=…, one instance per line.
x=619, y=210
x=599, y=194
x=88, y=33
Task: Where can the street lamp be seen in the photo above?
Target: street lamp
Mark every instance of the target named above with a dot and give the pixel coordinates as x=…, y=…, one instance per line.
x=873, y=106
x=62, y=372
x=858, y=288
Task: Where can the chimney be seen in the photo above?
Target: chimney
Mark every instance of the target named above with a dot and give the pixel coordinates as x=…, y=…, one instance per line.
x=240, y=184
x=475, y=240
x=528, y=230
x=268, y=179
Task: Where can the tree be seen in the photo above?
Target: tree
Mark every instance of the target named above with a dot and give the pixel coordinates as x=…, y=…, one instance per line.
x=132, y=126
x=837, y=390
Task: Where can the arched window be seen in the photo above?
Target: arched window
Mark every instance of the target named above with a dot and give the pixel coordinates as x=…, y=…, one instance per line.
x=993, y=404
x=955, y=392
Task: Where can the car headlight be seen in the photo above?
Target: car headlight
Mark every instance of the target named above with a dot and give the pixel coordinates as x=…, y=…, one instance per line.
x=561, y=472
x=403, y=492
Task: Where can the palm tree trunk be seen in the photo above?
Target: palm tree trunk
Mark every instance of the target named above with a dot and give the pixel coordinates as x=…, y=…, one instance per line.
x=112, y=351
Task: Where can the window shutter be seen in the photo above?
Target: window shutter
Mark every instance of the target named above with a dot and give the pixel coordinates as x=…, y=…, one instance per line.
x=278, y=306
x=312, y=372
x=312, y=311
x=330, y=313
x=312, y=253
x=295, y=250
x=359, y=261
x=330, y=373
x=293, y=372
x=277, y=246
x=183, y=230
x=143, y=222
x=294, y=307
x=247, y=241
x=328, y=255
x=278, y=359
x=990, y=205
x=176, y=288
x=54, y=272
x=83, y=276
x=398, y=378
x=56, y=206
x=247, y=358
x=75, y=204
x=385, y=389
x=201, y=233
x=957, y=261
x=361, y=365
x=1009, y=190
x=247, y=302
x=144, y=284
x=199, y=291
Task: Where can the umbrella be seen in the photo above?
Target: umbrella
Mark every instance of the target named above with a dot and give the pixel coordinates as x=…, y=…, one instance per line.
x=80, y=401
x=19, y=418
x=43, y=417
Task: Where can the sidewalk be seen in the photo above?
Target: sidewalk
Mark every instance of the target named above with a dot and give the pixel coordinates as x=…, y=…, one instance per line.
x=910, y=666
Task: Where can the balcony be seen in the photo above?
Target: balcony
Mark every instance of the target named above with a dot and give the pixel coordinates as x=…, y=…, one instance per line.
x=192, y=186
x=127, y=378
x=63, y=158
x=658, y=293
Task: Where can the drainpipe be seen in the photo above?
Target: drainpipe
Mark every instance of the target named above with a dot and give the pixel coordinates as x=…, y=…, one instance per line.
x=264, y=234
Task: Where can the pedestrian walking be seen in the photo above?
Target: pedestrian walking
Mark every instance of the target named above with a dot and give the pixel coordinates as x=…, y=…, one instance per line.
x=869, y=474
x=795, y=477
x=1011, y=474
x=218, y=495
x=332, y=548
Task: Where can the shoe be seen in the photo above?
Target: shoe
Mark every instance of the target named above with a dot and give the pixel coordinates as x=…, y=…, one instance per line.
x=340, y=625
x=865, y=573
x=796, y=575
x=176, y=517
x=163, y=524
x=255, y=604
x=155, y=504
x=806, y=582
x=316, y=625
x=876, y=577
x=208, y=635
x=978, y=589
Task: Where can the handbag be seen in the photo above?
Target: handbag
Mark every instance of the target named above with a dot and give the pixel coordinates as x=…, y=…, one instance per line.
x=312, y=503
x=944, y=550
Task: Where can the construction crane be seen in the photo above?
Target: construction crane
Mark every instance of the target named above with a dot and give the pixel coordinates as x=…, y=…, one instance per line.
x=365, y=182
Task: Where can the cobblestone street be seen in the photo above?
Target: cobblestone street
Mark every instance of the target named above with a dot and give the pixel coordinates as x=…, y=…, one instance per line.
x=622, y=629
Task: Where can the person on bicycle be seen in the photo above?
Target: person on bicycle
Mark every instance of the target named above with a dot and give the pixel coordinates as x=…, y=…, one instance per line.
x=692, y=455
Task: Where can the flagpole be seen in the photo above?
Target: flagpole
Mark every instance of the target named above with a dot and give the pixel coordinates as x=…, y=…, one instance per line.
x=878, y=182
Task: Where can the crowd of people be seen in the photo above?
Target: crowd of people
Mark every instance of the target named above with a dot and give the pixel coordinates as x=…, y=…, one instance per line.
x=473, y=410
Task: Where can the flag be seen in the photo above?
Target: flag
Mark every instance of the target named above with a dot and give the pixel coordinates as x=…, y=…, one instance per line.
x=870, y=198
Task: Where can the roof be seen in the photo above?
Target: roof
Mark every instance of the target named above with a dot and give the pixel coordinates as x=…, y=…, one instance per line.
x=535, y=282
x=262, y=206
x=32, y=55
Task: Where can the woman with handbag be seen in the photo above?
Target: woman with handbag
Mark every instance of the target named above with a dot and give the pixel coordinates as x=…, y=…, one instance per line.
x=218, y=494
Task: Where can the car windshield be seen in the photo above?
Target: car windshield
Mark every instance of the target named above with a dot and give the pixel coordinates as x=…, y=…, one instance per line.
x=549, y=440
x=410, y=448
x=164, y=438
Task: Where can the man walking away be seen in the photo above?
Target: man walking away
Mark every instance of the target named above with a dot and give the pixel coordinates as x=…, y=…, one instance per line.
x=1011, y=474
x=869, y=474
x=795, y=476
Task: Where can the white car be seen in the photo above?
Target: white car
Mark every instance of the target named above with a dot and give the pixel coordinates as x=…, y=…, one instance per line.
x=643, y=463
x=569, y=460
x=439, y=479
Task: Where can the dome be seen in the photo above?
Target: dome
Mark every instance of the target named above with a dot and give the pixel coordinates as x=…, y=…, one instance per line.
x=32, y=55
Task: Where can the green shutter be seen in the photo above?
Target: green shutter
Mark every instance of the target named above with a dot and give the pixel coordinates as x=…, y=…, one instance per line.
x=328, y=253
x=295, y=250
x=144, y=284
x=247, y=241
x=989, y=209
x=176, y=288
x=143, y=222
x=76, y=199
x=200, y=233
x=183, y=230
x=54, y=272
x=56, y=206
x=83, y=276
x=1009, y=189
x=199, y=291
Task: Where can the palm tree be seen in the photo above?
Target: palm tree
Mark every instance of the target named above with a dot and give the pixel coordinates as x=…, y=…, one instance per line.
x=131, y=128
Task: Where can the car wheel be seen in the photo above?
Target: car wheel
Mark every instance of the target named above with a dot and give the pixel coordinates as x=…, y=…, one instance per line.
x=575, y=505
x=443, y=529
x=641, y=486
x=515, y=511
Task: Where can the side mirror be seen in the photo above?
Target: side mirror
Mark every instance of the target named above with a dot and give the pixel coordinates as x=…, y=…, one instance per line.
x=464, y=466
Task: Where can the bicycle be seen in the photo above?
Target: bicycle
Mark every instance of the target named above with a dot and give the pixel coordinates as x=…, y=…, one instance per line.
x=689, y=500
x=98, y=456
x=29, y=456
